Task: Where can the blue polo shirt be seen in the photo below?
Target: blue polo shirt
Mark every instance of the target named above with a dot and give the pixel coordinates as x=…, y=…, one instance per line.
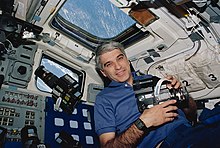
x=116, y=110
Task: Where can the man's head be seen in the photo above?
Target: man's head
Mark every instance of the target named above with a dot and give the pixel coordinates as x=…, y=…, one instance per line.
x=112, y=61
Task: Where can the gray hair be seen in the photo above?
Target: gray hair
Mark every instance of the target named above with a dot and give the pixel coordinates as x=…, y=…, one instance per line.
x=107, y=47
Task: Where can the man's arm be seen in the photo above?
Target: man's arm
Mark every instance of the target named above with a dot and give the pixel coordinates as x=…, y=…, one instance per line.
x=191, y=111
x=130, y=138
x=155, y=116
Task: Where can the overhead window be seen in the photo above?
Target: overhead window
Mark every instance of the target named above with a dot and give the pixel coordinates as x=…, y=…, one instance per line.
x=92, y=22
x=99, y=18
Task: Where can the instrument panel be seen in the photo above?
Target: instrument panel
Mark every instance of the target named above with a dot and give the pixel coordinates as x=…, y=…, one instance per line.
x=18, y=109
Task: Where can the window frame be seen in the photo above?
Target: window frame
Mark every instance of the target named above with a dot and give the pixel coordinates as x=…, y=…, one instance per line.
x=128, y=37
x=80, y=73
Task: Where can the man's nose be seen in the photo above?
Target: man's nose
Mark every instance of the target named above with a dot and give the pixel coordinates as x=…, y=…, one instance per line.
x=117, y=65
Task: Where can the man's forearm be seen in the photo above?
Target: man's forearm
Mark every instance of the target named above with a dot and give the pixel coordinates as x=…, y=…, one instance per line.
x=191, y=111
x=130, y=138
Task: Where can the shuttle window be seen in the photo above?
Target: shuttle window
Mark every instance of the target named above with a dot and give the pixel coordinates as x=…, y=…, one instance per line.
x=91, y=23
x=99, y=18
x=58, y=69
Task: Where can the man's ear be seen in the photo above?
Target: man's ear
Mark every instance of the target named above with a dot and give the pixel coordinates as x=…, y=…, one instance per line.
x=103, y=73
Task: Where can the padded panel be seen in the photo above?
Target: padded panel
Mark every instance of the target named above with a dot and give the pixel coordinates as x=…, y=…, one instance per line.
x=80, y=125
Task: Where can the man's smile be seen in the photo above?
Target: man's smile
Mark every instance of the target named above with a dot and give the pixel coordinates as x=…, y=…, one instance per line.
x=120, y=73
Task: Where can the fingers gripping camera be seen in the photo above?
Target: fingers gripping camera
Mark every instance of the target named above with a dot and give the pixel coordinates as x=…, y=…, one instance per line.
x=151, y=90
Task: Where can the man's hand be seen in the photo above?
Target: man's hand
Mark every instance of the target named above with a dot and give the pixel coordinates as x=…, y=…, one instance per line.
x=191, y=110
x=159, y=114
x=174, y=82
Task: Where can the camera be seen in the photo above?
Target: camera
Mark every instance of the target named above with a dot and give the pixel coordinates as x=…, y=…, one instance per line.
x=3, y=133
x=65, y=90
x=67, y=141
x=29, y=137
x=151, y=90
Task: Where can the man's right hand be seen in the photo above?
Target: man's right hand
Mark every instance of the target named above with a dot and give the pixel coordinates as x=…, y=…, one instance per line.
x=159, y=114
x=155, y=116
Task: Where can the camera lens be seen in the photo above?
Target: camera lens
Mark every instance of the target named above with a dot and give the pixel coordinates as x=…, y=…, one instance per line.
x=29, y=137
x=48, y=78
x=65, y=90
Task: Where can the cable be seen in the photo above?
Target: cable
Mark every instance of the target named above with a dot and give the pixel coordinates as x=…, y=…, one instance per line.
x=174, y=56
x=10, y=48
x=161, y=50
x=199, y=45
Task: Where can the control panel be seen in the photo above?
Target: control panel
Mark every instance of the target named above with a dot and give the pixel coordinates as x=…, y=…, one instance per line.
x=19, y=108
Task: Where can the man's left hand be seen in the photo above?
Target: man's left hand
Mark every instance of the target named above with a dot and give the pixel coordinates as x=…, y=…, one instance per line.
x=174, y=82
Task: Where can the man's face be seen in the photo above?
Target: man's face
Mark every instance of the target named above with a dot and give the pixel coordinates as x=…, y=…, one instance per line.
x=116, y=66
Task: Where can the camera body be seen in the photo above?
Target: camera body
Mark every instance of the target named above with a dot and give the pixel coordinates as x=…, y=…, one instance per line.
x=151, y=90
x=29, y=137
x=3, y=133
x=67, y=141
x=65, y=90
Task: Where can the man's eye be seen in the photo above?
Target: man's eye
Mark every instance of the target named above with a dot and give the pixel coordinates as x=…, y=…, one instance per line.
x=108, y=64
x=121, y=57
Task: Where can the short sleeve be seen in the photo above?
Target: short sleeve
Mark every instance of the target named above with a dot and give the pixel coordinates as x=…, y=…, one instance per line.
x=104, y=116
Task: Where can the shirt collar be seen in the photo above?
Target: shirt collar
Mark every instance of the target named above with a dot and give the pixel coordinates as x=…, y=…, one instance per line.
x=115, y=83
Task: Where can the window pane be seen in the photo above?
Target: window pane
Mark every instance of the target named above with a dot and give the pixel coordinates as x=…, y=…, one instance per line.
x=56, y=69
x=98, y=17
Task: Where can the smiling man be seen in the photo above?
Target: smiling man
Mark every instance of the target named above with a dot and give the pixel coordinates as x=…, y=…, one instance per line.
x=118, y=121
